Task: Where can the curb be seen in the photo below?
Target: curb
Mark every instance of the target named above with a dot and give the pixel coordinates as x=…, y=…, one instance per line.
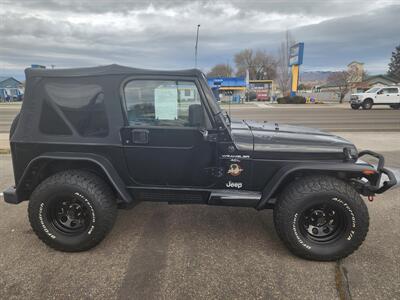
x=4, y=151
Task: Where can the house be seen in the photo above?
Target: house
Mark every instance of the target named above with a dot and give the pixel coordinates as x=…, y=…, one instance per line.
x=10, y=89
x=9, y=82
x=228, y=89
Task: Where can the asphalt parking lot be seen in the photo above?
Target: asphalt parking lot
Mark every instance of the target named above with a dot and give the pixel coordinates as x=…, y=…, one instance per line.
x=159, y=251
x=335, y=118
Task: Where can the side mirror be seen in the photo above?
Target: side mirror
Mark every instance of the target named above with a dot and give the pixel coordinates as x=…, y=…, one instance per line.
x=196, y=115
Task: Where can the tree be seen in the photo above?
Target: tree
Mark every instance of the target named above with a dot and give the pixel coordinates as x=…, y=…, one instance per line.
x=221, y=70
x=260, y=64
x=394, y=65
x=341, y=81
x=283, y=74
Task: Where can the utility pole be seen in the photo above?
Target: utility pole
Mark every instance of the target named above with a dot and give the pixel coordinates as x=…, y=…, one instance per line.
x=195, y=48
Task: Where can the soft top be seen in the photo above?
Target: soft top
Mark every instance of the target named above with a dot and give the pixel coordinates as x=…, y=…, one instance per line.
x=113, y=69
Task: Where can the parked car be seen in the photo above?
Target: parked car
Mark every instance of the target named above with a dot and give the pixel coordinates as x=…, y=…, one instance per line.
x=389, y=95
x=90, y=140
x=4, y=96
x=15, y=94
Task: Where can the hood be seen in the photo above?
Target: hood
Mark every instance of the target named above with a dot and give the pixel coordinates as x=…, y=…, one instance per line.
x=363, y=94
x=275, y=137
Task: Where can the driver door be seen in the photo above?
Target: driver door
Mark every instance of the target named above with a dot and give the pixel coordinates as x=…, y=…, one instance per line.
x=163, y=140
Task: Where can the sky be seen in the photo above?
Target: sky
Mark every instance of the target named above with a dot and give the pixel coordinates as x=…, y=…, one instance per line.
x=161, y=34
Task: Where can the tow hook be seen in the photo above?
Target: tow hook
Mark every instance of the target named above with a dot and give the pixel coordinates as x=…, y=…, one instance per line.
x=371, y=198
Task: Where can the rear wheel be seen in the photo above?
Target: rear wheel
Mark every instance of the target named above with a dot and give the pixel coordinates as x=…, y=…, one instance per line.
x=321, y=218
x=367, y=104
x=72, y=210
x=395, y=106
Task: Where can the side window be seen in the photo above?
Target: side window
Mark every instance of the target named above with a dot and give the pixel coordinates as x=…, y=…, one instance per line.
x=389, y=91
x=81, y=105
x=160, y=103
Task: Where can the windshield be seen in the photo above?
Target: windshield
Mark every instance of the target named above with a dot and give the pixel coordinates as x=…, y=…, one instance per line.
x=373, y=90
x=214, y=105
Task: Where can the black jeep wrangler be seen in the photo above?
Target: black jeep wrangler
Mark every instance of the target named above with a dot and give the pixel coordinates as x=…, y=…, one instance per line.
x=90, y=140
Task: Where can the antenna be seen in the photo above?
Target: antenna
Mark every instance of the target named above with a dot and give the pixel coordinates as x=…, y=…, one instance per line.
x=195, y=47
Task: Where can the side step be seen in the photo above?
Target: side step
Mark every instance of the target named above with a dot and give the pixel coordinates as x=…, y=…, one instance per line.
x=234, y=198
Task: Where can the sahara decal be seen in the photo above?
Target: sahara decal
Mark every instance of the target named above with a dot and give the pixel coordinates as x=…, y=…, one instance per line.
x=231, y=184
x=229, y=156
x=235, y=170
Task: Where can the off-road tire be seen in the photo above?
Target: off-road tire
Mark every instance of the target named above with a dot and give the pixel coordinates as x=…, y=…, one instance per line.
x=367, y=104
x=302, y=194
x=91, y=190
x=355, y=106
x=395, y=106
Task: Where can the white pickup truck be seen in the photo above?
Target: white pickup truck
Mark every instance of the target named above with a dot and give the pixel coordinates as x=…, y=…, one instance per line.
x=389, y=95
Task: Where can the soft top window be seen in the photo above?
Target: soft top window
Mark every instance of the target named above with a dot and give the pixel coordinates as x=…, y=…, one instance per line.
x=80, y=106
x=160, y=102
x=72, y=95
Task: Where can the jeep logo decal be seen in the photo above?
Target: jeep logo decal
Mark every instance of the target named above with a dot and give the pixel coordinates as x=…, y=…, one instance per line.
x=237, y=185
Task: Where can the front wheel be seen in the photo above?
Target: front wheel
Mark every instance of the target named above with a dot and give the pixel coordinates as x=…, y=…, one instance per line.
x=355, y=106
x=72, y=210
x=367, y=104
x=321, y=218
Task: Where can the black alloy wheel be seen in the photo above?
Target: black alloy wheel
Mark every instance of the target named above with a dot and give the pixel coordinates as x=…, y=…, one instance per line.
x=70, y=215
x=322, y=223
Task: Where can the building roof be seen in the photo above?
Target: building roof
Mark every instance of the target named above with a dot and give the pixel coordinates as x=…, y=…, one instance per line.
x=261, y=81
x=382, y=76
x=5, y=78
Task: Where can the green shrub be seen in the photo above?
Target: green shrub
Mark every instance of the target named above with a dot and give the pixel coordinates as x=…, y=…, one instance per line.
x=292, y=100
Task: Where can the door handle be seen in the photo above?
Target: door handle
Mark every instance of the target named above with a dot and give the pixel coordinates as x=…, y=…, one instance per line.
x=140, y=136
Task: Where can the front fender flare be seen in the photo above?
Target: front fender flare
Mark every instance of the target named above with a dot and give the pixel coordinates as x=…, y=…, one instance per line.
x=99, y=160
x=279, y=177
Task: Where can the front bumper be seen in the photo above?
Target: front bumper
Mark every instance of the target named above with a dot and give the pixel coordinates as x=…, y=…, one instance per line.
x=355, y=101
x=379, y=186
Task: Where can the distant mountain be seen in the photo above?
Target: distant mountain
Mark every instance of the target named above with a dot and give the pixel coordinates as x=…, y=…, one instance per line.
x=315, y=76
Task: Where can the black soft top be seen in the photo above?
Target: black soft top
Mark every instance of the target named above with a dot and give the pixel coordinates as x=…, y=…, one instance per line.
x=113, y=69
x=58, y=100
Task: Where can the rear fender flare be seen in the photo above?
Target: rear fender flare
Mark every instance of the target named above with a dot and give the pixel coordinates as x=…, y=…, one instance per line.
x=278, y=179
x=98, y=160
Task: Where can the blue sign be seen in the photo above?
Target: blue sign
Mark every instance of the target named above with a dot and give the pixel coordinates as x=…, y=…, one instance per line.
x=296, y=54
x=38, y=67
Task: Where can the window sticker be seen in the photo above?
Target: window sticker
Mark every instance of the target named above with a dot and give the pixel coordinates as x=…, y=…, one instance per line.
x=166, y=103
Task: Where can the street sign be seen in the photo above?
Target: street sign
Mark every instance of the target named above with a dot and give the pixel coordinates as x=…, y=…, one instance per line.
x=296, y=54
